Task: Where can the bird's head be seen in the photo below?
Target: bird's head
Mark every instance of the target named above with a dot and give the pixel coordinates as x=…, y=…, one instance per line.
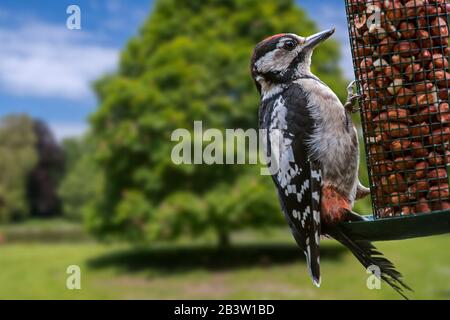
x=284, y=57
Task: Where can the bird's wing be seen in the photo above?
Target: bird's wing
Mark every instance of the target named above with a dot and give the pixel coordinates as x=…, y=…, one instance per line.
x=297, y=177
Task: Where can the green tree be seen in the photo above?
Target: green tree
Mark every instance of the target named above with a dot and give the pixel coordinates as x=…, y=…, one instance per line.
x=78, y=187
x=189, y=62
x=18, y=157
x=45, y=177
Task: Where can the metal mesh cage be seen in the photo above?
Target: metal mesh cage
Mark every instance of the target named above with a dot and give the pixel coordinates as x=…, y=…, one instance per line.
x=400, y=56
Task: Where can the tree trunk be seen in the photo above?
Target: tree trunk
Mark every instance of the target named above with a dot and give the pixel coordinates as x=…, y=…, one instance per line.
x=223, y=239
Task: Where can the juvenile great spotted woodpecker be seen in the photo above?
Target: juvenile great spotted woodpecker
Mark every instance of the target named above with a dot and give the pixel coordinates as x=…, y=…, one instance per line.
x=312, y=143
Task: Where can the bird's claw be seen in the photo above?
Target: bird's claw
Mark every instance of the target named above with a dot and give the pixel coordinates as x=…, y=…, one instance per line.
x=352, y=98
x=361, y=192
x=352, y=102
x=351, y=87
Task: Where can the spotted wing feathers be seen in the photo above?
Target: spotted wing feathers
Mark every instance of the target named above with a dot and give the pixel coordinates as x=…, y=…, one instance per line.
x=298, y=179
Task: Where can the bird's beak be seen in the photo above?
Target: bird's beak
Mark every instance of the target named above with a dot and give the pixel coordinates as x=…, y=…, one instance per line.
x=312, y=41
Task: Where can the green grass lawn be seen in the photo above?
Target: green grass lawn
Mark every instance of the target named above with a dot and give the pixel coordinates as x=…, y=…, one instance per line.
x=253, y=268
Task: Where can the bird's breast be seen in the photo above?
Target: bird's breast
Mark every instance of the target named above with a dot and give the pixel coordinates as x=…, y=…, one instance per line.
x=334, y=141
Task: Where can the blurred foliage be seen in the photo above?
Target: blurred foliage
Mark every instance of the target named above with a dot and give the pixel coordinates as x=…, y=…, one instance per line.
x=31, y=165
x=18, y=156
x=38, y=230
x=189, y=62
x=44, y=178
x=78, y=187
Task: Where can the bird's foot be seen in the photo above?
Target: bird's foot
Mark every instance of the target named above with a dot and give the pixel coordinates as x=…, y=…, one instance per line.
x=362, y=192
x=352, y=98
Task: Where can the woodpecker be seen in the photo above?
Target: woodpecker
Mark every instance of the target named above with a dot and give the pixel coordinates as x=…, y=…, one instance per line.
x=310, y=140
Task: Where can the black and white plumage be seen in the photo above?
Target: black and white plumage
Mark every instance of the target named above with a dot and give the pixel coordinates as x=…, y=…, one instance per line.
x=312, y=148
x=298, y=179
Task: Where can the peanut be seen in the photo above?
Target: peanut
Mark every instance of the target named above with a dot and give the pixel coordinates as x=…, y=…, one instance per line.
x=439, y=192
x=421, y=170
x=422, y=206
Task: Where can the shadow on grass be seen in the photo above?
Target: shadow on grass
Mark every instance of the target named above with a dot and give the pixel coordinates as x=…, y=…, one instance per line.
x=182, y=258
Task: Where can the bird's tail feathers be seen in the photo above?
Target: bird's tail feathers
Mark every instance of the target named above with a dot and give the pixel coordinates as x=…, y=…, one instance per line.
x=368, y=255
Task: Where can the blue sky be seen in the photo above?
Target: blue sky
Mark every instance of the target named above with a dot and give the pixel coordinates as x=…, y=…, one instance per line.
x=46, y=70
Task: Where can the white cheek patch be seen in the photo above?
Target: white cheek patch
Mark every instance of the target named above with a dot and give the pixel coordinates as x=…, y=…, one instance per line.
x=277, y=60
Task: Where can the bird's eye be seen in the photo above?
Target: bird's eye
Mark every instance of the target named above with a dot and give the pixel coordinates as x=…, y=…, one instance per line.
x=289, y=45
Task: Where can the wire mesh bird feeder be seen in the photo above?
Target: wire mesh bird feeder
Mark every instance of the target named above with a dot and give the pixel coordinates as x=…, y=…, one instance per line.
x=401, y=62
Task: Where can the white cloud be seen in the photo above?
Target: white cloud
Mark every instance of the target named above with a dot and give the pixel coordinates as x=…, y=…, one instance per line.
x=64, y=130
x=45, y=60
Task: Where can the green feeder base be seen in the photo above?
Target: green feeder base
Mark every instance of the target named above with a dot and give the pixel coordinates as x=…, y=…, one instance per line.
x=399, y=228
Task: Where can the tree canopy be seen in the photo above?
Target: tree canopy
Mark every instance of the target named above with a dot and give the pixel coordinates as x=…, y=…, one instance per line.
x=190, y=61
x=18, y=157
x=78, y=187
x=31, y=164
